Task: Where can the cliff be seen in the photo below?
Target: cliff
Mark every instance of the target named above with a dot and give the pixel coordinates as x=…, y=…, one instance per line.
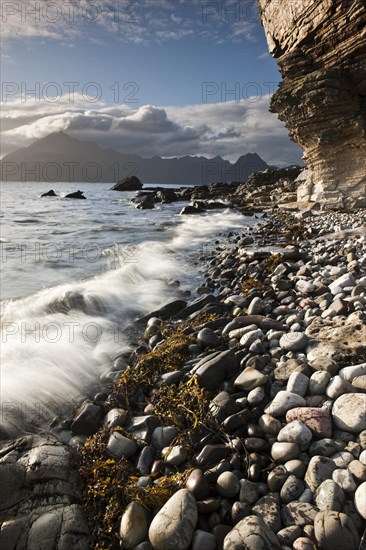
x=320, y=46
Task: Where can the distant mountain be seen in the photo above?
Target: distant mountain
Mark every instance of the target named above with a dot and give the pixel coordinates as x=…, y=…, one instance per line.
x=59, y=157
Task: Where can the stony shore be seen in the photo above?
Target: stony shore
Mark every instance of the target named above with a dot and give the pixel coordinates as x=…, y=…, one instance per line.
x=238, y=422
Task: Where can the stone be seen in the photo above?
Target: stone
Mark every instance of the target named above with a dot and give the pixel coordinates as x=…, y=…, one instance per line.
x=130, y=183
x=202, y=539
x=288, y=535
x=344, y=479
x=249, y=491
x=318, y=382
x=323, y=447
x=319, y=469
x=294, y=341
x=119, y=446
x=174, y=456
x=338, y=386
x=134, y=526
x=283, y=402
x=304, y=543
x=281, y=452
x=298, y=513
x=239, y=511
x=197, y=484
x=292, y=489
x=247, y=339
x=268, y=508
x=298, y=383
x=249, y=379
x=358, y=470
x=318, y=420
x=163, y=436
x=87, y=419
x=348, y=412
x=360, y=500
x=251, y=533
x=276, y=478
x=342, y=282
x=335, y=531
x=211, y=371
x=207, y=338
x=256, y=306
x=174, y=525
x=295, y=432
x=115, y=417
x=227, y=485
x=269, y=425
x=329, y=496
x=212, y=454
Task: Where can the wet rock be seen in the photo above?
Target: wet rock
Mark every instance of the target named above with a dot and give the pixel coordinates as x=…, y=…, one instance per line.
x=163, y=436
x=87, y=419
x=119, y=446
x=212, y=454
x=174, y=525
x=207, y=338
x=197, y=484
x=131, y=183
x=202, y=539
x=175, y=456
x=115, y=417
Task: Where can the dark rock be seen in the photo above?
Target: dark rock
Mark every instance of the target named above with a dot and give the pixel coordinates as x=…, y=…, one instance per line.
x=87, y=419
x=131, y=183
x=49, y=193
x=191, y=209
x=211, y=371
x=76, y=195
x=212, y=454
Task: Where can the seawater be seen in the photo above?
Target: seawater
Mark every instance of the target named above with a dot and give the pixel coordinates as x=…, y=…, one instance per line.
x=75, y=273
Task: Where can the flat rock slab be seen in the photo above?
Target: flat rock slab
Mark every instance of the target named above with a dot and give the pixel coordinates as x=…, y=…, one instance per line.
x=41, y=496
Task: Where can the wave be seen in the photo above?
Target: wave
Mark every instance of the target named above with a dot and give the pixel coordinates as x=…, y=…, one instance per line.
x=57, y=342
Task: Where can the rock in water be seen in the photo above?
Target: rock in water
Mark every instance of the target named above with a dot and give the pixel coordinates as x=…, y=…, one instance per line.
x=331, y=76
x=251, y=533
x=131, y=183
x=76, y=195
x=173, y=527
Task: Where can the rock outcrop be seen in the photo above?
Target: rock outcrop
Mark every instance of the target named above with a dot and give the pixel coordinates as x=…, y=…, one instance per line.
x=320, y=46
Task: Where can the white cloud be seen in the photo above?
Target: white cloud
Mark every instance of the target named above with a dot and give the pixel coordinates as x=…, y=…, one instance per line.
x=229, y=129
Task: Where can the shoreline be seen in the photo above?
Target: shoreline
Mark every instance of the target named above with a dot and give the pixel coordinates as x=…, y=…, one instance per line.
x=279, y=334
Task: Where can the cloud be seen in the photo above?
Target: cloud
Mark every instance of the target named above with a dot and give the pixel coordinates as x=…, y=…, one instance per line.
x=138, y=22
x=229, y=129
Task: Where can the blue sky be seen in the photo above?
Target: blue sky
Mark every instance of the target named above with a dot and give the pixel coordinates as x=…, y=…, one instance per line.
x=168, y=77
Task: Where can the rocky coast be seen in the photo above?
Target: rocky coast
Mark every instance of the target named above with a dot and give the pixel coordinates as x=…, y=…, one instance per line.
x=238, y=421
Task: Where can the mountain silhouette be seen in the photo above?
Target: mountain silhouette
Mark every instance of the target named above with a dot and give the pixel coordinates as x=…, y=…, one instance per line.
x=59, y=157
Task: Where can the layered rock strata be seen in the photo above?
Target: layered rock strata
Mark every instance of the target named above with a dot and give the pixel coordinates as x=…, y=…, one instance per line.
x=320, y=47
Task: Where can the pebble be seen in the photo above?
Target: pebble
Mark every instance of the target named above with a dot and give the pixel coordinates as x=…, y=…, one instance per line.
x=348, y=412
x=360, y=500
x=335, y=531
x=174, y=456
x=295, y=432
x=345, y=480
x=227, y=485
x=198, y=485
x=298, y=383
x=294, y=341
x=318, y=420
x=319, y=469
x=174, y=525
x=292, y=489
x=298, y=513
x=329, y=496
x=119, y=446
x=283, y=402
x=253, y=533
x=281, y=452
x=250, y=379
x=203, y=540
x=207, y=338
x=134, y=526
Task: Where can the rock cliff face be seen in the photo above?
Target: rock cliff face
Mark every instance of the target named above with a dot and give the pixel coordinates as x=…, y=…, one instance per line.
x=320, y=46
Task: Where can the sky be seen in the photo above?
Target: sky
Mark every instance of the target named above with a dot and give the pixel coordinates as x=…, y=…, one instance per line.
x=153, y=77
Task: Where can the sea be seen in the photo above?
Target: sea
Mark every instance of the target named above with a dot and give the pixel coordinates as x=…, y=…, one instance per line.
x=74, y=275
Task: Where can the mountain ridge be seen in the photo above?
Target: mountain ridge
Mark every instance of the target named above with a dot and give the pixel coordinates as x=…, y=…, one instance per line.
x=59, y=157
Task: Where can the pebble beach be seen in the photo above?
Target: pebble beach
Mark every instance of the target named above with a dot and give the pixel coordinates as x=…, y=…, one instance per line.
x=237, y=422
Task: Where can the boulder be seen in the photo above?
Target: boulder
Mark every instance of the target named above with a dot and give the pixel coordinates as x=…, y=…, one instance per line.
x=131, y=183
